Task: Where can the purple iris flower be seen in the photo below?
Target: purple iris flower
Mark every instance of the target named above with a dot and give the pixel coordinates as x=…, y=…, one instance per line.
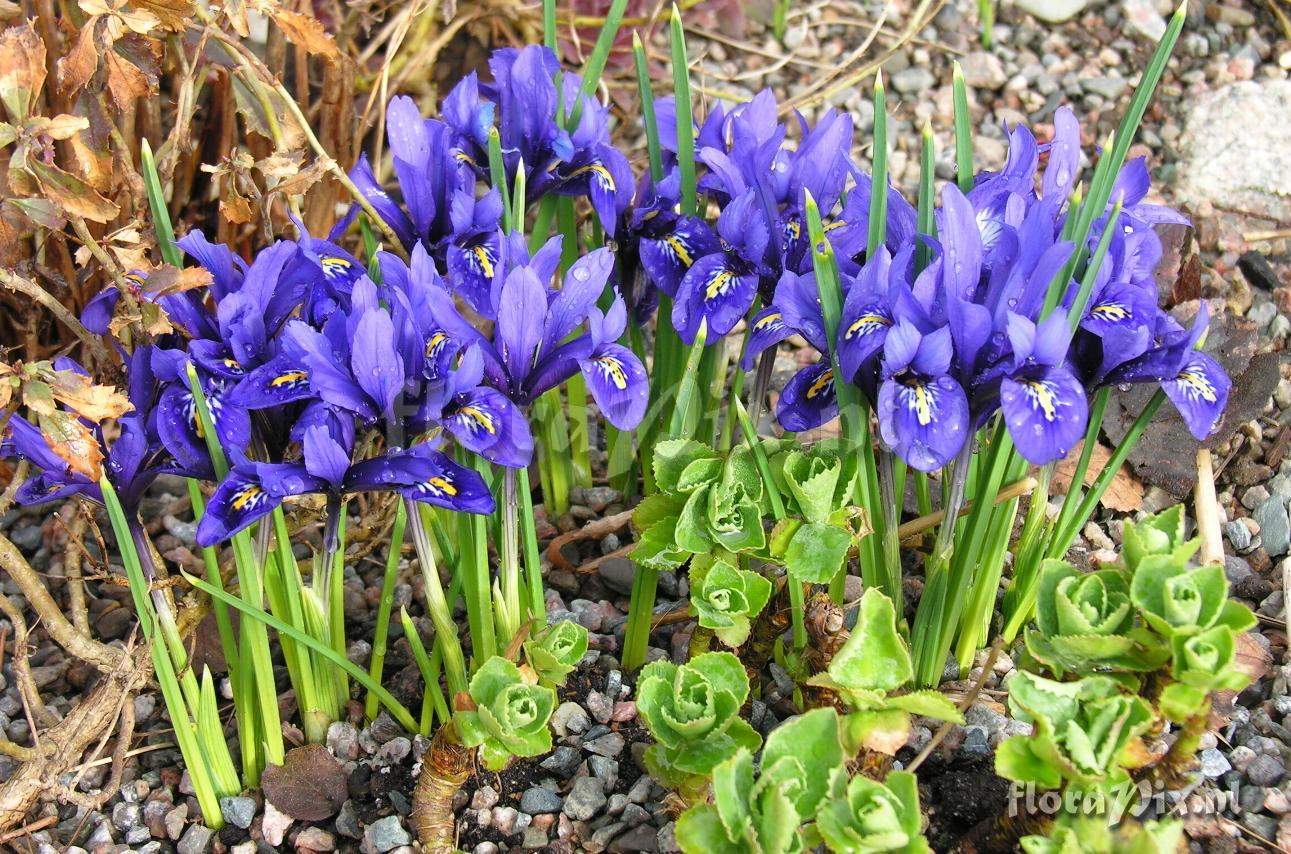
x=1042, y=400
x=668, y=243
x=720, y=288
x=422, y=473
x=922, y=409
x=1194, y=382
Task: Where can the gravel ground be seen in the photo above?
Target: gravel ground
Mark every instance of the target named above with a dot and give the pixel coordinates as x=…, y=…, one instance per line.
x=1215, y=138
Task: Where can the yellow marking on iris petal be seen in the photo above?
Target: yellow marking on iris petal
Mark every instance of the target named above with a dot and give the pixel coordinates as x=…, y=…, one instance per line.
x=137, y=279
x=599, y=171
x=435, y=344
x=764, y=322
x=232, y=364
x=838, y=223
x=462, y=157
x=333, y=261
x=614, y=368
x=247, y=496
x=820, y=384
x=679, y=249
x=922, y=404
x=719, y=284
x=794, y=228
x=865, y=324
x=484, y=259
x=287, y=378
x=1042, y=394
x=1199, y=384
x=442, y=485
x=479, y=416
x=649, y=215
x=197, y=424
x=1112, y=311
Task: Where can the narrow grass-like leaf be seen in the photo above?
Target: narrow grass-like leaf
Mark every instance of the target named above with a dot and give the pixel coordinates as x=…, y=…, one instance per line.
x=498, y=177
x=382, y=634
x=157, y=204
x=685, y=119
x=878, y=225
x=963, y=131
x=397, y=709
x=648, y=119
x=429, y=672
x=600, y=55
x=927, y=220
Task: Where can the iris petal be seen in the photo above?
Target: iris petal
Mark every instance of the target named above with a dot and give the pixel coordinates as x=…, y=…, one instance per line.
x=239, y=501
x=809, y=399
x=1046, y=413
x=1199, y=390
x=924, y=420
x=618, y=383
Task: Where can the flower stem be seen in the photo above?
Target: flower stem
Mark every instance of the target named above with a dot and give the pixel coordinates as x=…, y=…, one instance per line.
x=437, y=605
x=379, y=641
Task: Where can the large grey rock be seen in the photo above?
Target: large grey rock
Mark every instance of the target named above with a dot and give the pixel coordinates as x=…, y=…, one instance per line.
x=1275, y=528
x=1236, y=151
x=1052, y=11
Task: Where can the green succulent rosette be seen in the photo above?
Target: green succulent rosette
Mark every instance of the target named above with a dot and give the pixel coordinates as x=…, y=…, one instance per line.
x=726, y=599
x=1093, y=835
x=693, y=712
x=510, y=716
x=765, y=813
x=555, y=651
x=1082, y=730
x=1086, y=620
x=1177, y=600
x=863, y=815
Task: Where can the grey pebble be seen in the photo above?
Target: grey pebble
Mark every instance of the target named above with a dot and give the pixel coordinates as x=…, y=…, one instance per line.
x=1275, y=528
x=385, y=834
x=1265, y=770
x=539, y=800
x=585, y=799
x=196, y=840
x=238, y=811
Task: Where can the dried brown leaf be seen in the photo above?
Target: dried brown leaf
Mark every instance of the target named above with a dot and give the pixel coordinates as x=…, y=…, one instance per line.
x=1125, y=493
x=22, y=70
x=235, y=207
x=306, y=32
x=172, y=280
x=38, y=397
x=171, y=15
x=126, y=81
x=76, y=69
x=94, y=402
x=72, y=194
x=73, y=442
x=310, y=785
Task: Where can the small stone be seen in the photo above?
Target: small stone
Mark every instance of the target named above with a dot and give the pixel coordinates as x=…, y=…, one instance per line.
x=1275, y=528
x=238, y=811
x=484, y=798
x=1109, y=87
x=196, y=840
x=625, y=710
x=385, y=728
x=384, y=835
x=983, y=70
x=343, y=741
x=601, y=706
x=1143, y=18
x=599, y=497
x=274, y=824
x=127, y=816
x=538, y=800
x=315, y=839
x=585, y=799
x=609, y=745
x=509, y=821
x=1213, y=763
x=913, y=80
x=643, y=837
x=175, y=820
x=1277, y=802
x=607, y=770
x=1051, y=11
x=347, y=821
x=393, y=751
x=617, y=574
x=1265, y=770
x=563, y=761
x=1238, y=534
x=535, y=838
x=569, y=717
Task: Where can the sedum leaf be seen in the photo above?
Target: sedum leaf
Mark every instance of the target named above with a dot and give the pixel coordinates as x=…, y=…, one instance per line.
x=816, y=552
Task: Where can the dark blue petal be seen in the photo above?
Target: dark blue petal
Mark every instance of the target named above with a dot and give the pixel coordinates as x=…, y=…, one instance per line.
x=1046, y=413
x=238, y=502
x=767, y=330
x=924, y=421
x=1199, y=390
x=485, y=422
x=714, y=291
x=282, y=380
x=809, y=399
x=618, y=383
